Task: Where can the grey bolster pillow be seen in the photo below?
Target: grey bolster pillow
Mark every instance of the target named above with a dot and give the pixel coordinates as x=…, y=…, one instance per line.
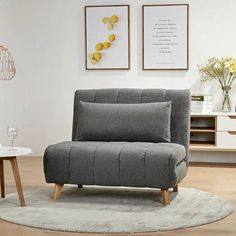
x=140, y=122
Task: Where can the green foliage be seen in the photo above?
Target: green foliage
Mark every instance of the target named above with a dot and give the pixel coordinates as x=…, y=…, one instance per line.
x=223, y=70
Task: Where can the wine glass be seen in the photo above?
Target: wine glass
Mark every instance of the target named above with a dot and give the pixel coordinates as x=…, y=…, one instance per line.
x=12, y=133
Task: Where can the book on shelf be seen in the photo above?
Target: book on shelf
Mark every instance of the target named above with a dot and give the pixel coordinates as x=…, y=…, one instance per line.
x=201, y=103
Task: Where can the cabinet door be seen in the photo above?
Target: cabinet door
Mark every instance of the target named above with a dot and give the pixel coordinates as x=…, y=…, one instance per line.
x=226, y=139
x=226, y=123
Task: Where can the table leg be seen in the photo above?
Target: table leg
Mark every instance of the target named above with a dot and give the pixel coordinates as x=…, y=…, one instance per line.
x=17, y=180
x=2, y=179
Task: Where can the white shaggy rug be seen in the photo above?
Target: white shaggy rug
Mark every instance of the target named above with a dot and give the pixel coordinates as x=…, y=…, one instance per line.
x=114, y=210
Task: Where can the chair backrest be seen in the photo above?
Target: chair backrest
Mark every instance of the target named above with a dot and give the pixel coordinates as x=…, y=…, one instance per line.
x=180, y=106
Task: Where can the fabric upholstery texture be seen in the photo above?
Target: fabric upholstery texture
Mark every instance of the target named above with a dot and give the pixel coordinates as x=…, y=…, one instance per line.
x=180, y=107
x=134, y=164
x=139, y=122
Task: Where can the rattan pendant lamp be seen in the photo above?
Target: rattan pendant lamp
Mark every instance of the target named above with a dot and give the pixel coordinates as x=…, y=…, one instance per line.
x=7, y=66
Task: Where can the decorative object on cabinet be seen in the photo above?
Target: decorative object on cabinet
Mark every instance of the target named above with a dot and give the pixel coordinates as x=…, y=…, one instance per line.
x=107, y=37
x=7, y=65
x=201, y=103
x=165, y=37
x=222, y=70
x=213, y=131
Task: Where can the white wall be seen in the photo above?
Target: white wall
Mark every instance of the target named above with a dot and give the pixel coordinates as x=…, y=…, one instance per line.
x=46, y=38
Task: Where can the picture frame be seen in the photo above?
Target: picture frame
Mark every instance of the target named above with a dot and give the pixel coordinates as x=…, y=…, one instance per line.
x=165, y=37
x=107, y=37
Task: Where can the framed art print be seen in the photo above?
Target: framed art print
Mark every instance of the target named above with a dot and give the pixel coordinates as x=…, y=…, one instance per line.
x=165, y=37
x=107, y=37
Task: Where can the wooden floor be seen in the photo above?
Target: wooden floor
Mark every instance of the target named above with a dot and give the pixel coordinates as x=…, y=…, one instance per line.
x=220, y=180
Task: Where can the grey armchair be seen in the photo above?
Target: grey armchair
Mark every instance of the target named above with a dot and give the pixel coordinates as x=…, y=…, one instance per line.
x=124, y=137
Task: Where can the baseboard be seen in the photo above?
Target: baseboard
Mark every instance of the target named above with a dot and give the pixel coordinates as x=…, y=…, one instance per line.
x=213, y=157
x=211, y=164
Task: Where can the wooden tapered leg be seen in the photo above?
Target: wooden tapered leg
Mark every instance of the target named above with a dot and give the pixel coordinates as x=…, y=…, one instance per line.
x=165, y=196
x=16, y=173
x=80, y=186
x=57, y=191
x=176, y=188
x=2, y=179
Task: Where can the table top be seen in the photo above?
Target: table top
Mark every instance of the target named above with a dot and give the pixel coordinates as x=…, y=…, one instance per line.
x=18, y=151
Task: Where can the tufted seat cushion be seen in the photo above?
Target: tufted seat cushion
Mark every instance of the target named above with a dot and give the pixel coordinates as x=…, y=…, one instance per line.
x=134, y=164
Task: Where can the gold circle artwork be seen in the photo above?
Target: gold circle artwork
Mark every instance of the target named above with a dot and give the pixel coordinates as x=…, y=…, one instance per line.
x=111, y=37
x=99, y=46
x=110, y=26
x=106, y=20
x=114, y=19
x=106, y=45
x=97, y=56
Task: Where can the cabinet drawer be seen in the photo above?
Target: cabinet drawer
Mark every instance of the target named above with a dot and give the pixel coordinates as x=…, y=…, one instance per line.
x=226, y=123
x=226, y=139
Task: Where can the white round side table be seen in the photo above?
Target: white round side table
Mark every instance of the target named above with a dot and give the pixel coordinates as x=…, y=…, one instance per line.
x=7, y=154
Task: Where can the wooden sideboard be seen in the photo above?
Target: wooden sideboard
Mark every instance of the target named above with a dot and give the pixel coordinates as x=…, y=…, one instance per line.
x=213, y=131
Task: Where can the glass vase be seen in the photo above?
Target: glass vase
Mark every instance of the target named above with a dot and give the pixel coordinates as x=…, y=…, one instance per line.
x=226, y=102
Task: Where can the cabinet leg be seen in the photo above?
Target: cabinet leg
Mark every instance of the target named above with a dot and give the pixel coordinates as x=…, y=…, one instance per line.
x=57, y=191
x=165, y=196
x=2, y=179
x=16, y=173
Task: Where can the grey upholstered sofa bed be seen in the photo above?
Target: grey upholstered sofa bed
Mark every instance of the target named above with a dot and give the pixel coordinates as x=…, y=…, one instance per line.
x=124, y=137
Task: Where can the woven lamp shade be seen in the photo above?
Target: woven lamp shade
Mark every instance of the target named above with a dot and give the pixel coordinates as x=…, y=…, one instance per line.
x=7, y=66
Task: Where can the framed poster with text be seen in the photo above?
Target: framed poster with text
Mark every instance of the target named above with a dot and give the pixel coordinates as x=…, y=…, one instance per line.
x=165, y=37
x=107, y=37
